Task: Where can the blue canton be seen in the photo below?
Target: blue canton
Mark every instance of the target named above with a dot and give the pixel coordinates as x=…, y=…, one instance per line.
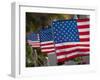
x=65, y=31
x=32, y=37
x=46, y=35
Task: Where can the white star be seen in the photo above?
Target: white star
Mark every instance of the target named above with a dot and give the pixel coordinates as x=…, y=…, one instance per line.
x=65, y=25
x=73, y=39
x=63, y=22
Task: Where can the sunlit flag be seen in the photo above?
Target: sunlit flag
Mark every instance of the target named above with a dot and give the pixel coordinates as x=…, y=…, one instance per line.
x=71, y=38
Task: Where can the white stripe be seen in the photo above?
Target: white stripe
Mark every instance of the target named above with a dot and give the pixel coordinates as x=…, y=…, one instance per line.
x=60, y=44
x=83, y=30
x=70, y=49
x=46, y=42
x=44, y=50
x=47, y=46
x=72, y=54
x=84, y=36
x=61, y=56
x=71, y=43
x=83, y=23
x=51, y=53
x=75, y=53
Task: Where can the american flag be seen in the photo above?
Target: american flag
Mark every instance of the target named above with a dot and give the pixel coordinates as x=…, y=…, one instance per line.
x=71, y=38
x=46, y=41
x=33, y=39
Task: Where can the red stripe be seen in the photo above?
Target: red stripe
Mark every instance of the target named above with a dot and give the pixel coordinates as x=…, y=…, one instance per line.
x=61, y=60
x=66, y=52
x=82, y=20
x=72, y=51
x=84, y=39
x=77, y=55
x=85, y=45
x=47, y=44
x=84, y=50
x=60, y=47
x=84, y=33
x=71, y=57
x=69, y=46
x=83, y=26
x=48, y=48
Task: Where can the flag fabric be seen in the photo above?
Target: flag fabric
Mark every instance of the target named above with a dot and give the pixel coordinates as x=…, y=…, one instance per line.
x=71, y=38
x=33, y=40
x=46, y=41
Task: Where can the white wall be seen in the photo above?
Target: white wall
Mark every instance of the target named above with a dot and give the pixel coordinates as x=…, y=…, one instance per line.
x=5, y=40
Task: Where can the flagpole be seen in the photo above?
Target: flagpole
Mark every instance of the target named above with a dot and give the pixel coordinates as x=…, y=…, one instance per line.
x=54, y=48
